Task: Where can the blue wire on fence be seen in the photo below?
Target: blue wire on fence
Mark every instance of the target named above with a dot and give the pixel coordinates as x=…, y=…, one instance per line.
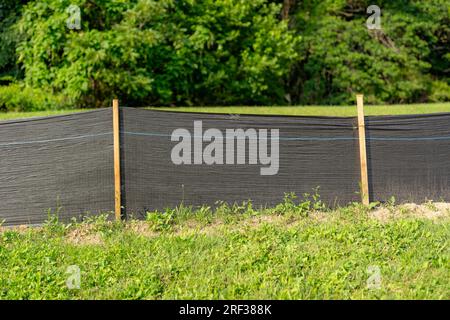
x=151, y=134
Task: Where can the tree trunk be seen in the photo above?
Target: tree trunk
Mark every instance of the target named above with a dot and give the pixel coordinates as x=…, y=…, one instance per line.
x=287, y=6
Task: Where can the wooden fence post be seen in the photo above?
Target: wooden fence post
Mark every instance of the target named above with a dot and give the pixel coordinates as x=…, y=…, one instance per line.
x=117, y=183
x=362, y=150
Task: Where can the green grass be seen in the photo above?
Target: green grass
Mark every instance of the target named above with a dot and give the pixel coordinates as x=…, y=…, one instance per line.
x=336, y=111
x=343, y=111
x=234, y=253
x=20, y=115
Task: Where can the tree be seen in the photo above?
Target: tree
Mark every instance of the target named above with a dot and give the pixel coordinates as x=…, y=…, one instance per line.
x=224, y=52
x=406, y=61
x=159, y=52
x=10, y=11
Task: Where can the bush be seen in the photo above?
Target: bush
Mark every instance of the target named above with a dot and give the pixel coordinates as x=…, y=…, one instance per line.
x=440, y=91
x=147, y=52
x=18, y=98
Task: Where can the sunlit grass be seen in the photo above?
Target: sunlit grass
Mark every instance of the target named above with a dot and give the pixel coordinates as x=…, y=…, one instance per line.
x=20, y=115
x=331, y=111
x=287, y=252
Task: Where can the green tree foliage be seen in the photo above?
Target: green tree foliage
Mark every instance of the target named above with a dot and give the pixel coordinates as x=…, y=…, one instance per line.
x=159, y=52
x=406, y=61
x=224, y=52
x=10, y=11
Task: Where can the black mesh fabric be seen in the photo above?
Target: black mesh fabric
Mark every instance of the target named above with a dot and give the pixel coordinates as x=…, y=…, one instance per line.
x=64, y=164
x=313, y=152
x=60, y=164
x=409, y=157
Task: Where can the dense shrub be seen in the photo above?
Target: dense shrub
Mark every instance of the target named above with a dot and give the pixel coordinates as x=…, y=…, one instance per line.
x=405, y=61
x=159, y=52
x=224, y=52
x=440, y=91
x=10, y=12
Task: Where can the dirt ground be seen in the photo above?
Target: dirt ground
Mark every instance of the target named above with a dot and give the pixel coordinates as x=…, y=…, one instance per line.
x=431, y=210
x=88, y=234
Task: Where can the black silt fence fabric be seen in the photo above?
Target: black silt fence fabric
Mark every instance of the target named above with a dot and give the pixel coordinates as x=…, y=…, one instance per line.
x=409, y=157
x=313, y=152
x=61, y=164
x=64, y=164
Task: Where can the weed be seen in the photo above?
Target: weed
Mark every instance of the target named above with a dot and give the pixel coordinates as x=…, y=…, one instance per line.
x=263, y=258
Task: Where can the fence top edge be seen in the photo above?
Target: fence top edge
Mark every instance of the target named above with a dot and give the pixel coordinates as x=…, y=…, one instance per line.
x=261, y=116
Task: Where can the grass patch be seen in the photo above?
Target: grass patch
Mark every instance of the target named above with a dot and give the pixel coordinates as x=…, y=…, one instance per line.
x=331, y=111
x=297, y=250
x=31, y=114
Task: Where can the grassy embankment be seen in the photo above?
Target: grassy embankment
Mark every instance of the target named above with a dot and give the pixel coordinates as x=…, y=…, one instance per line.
x=289, y=252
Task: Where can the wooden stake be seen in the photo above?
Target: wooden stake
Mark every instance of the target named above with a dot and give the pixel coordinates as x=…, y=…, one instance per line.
x=117, y=183
x=362, y=150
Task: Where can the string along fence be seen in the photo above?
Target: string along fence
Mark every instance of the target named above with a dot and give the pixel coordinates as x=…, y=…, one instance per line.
x=131, y=161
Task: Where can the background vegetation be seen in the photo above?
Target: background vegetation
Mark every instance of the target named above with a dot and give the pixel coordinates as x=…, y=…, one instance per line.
x=222, y=52
x=293, y=251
